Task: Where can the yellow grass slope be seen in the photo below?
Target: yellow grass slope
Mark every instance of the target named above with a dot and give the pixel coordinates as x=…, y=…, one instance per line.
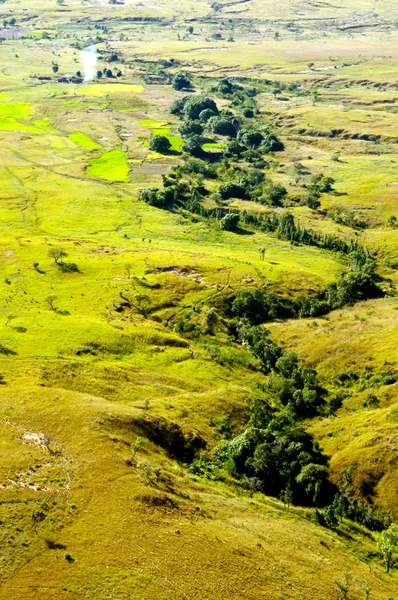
x=112, y=532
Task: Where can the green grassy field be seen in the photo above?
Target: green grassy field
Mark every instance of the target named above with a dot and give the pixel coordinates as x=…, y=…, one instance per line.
x=92, y=358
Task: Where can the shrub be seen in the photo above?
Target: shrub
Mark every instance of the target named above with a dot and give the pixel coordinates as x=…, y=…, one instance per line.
x=221, y=126
x=233, y=149
x=177, y=106
x=272, y=193
x=68, y=267
x=194, y=105
x=156, y=197
x=231, y=189
x=251, y=139
x=229, y=222
x=159, y=143
x=272, y=144
x=190, y=128
x=181, y=81
x=193, y=144
x=371, y=401
x=207, y=114
x=248, y=113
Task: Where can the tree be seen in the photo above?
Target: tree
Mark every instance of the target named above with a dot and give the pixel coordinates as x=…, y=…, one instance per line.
x=127, y=269
x=136, y=445
x=262, y=348
x=160, y=143
x=271, y=143
x=55, y=68
x=343, y=586
x=388, y=544
x=311, y=477
x=99, y=74
x=229, y=222
x=57, y=253
x=181, y=81
x=177, y=107
x=50, y=301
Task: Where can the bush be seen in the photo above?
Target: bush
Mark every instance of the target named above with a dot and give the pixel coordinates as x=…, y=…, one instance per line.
x=190, y=128
x=221, y=126
x=194, y=105
x=198, y=166
x=251, y=139
x=193, y=144
x=181, y=81
x=371, y=401
x=272, y=193
x=256, y=307
x=156, y=197
x=231, y=189
x=177, y=106
x=229, y=222
x=206, y=114
x=68, y=267
x=272, y=144
x=233, y=149
x=160, y=143
x=248, y=113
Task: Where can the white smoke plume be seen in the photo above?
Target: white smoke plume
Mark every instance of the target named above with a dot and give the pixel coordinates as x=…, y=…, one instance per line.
x=89, y=57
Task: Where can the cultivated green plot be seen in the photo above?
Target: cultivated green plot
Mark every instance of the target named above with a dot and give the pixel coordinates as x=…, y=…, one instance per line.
x=84, y=141
x=111, y=165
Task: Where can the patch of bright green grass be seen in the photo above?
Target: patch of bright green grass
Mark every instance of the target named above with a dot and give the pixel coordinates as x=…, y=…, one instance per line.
x=38, y=33
x=151, y=124
x=13, y=124
x=214, y=146
x=18, y=110
x=176, y=142
x=110, y=165
x=42, y=123
x=83, y=140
